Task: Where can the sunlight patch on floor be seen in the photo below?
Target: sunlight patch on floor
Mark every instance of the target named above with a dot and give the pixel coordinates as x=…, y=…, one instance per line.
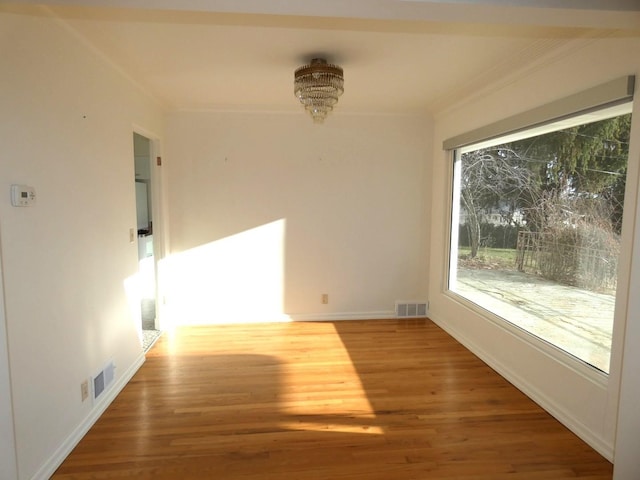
x=332, y=387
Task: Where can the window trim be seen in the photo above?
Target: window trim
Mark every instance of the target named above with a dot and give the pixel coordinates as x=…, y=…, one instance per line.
x=548, y=349
x=573, y=362
x=614, y=92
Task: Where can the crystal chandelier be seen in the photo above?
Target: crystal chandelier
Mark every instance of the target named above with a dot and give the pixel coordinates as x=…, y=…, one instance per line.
x=318, y=86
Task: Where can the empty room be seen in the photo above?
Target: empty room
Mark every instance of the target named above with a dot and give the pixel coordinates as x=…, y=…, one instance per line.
x=368, y=240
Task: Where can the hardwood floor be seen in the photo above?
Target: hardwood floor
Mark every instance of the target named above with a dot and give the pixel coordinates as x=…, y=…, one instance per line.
x=361, y=400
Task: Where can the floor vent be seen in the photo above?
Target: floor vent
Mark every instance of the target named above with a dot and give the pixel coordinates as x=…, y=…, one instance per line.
x=103, y=379
x=411, y=309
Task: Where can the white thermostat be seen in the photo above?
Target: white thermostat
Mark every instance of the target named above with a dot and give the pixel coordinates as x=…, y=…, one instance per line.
x=22, y=195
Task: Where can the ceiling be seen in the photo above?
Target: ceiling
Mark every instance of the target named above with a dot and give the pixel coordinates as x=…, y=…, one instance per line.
x=398, y=55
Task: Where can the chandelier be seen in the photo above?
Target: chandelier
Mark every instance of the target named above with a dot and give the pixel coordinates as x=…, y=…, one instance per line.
x=318, y=86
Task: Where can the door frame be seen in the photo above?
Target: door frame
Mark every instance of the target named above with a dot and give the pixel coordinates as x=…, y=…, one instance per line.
x=158, y=216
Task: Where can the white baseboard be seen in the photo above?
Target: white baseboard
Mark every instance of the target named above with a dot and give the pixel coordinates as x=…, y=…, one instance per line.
x=293, y=317
x=49, y=467
x=547, y=403
x=334, y=317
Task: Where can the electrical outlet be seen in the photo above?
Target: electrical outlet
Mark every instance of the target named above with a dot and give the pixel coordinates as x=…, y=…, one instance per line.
x=84, y=390
x=325, y=298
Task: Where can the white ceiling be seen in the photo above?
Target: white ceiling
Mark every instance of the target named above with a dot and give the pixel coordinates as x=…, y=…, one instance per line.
x=398, y=55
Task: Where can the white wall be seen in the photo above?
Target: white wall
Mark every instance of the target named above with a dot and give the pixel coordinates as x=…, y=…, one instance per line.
x=627, y=443
x=66, y=129
x=8, y=466
x=582, y=401
x=269, y=211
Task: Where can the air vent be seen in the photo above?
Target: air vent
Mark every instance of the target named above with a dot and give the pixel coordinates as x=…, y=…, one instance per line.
x=98, y=385
x=103, y=379
x=411, y=309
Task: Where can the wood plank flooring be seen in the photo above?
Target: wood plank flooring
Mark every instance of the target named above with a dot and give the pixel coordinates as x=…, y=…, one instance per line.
x=360, y=400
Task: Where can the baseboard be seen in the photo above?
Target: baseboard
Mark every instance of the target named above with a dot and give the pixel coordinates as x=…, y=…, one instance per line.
x=334, y=317
x=49, y=467
x=551, y=406
x=293, y=317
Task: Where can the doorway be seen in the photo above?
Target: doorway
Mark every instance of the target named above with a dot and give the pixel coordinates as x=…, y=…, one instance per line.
x=142, y=151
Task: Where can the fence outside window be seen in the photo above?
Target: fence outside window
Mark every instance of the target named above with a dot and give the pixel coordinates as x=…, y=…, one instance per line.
x=567, y=263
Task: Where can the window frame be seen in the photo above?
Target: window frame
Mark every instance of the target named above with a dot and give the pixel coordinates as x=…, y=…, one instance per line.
x=570, y=111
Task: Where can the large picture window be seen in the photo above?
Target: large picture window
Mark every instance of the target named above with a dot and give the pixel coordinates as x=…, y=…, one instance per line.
x=535, y=231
